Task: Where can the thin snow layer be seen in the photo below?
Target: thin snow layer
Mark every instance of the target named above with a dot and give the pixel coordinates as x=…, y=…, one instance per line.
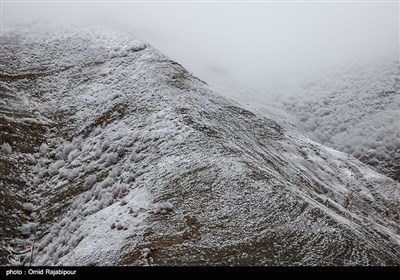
x=143, y=164
x=99, y=244
x=355, y=110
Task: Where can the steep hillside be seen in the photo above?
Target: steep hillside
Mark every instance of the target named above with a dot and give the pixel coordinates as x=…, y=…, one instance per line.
x=354, y=110
x=125, y=158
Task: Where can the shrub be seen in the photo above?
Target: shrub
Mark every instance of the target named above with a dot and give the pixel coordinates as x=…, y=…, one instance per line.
x=6, y=149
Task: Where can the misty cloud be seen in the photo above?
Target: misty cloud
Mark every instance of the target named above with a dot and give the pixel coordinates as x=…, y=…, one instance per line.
x=253, y=42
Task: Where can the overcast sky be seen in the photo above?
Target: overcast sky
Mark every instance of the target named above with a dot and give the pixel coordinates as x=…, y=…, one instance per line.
x=255, y=42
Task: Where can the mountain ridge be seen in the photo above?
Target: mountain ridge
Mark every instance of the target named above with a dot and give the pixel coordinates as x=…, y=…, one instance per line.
x=140, y=163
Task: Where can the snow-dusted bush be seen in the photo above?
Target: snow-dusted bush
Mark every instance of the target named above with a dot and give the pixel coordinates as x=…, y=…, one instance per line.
x=28, y=229
x=78, y=142
x=106, y=182
x=64, y=173
x=55, y=167
x=66, y=150
x=96, y=131
x=36, y=180
x=43, y=148
x=105, y=145
x=90, y=167
x=163, y=207
x=96, y=153
x=73, y=173
x=90, y=181
x=120, y=190
x=91, y=210
x=30, y=158
x=72, y=155
x=106, y=200
x=131, y=178
x=108, y=159
x=28, y=207
x=6, y=149
x=115, y=172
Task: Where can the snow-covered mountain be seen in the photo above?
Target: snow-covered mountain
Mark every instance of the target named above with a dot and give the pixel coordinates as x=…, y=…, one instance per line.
x=114, y=154
x=355, y=110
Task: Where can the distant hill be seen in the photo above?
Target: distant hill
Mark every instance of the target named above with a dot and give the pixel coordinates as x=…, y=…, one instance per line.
x=119, y=156
x=355, y=110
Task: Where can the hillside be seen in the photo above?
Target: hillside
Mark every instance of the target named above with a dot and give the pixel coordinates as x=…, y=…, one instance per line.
x=119, y=156
x=354, y=110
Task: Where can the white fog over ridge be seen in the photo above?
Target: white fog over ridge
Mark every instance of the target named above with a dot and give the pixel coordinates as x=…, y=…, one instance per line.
x=255, y=44
x=283, y=58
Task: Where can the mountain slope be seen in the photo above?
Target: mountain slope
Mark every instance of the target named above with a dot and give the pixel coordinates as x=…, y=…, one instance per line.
x=355, y=110
x=352, y=108
x=137, y=162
